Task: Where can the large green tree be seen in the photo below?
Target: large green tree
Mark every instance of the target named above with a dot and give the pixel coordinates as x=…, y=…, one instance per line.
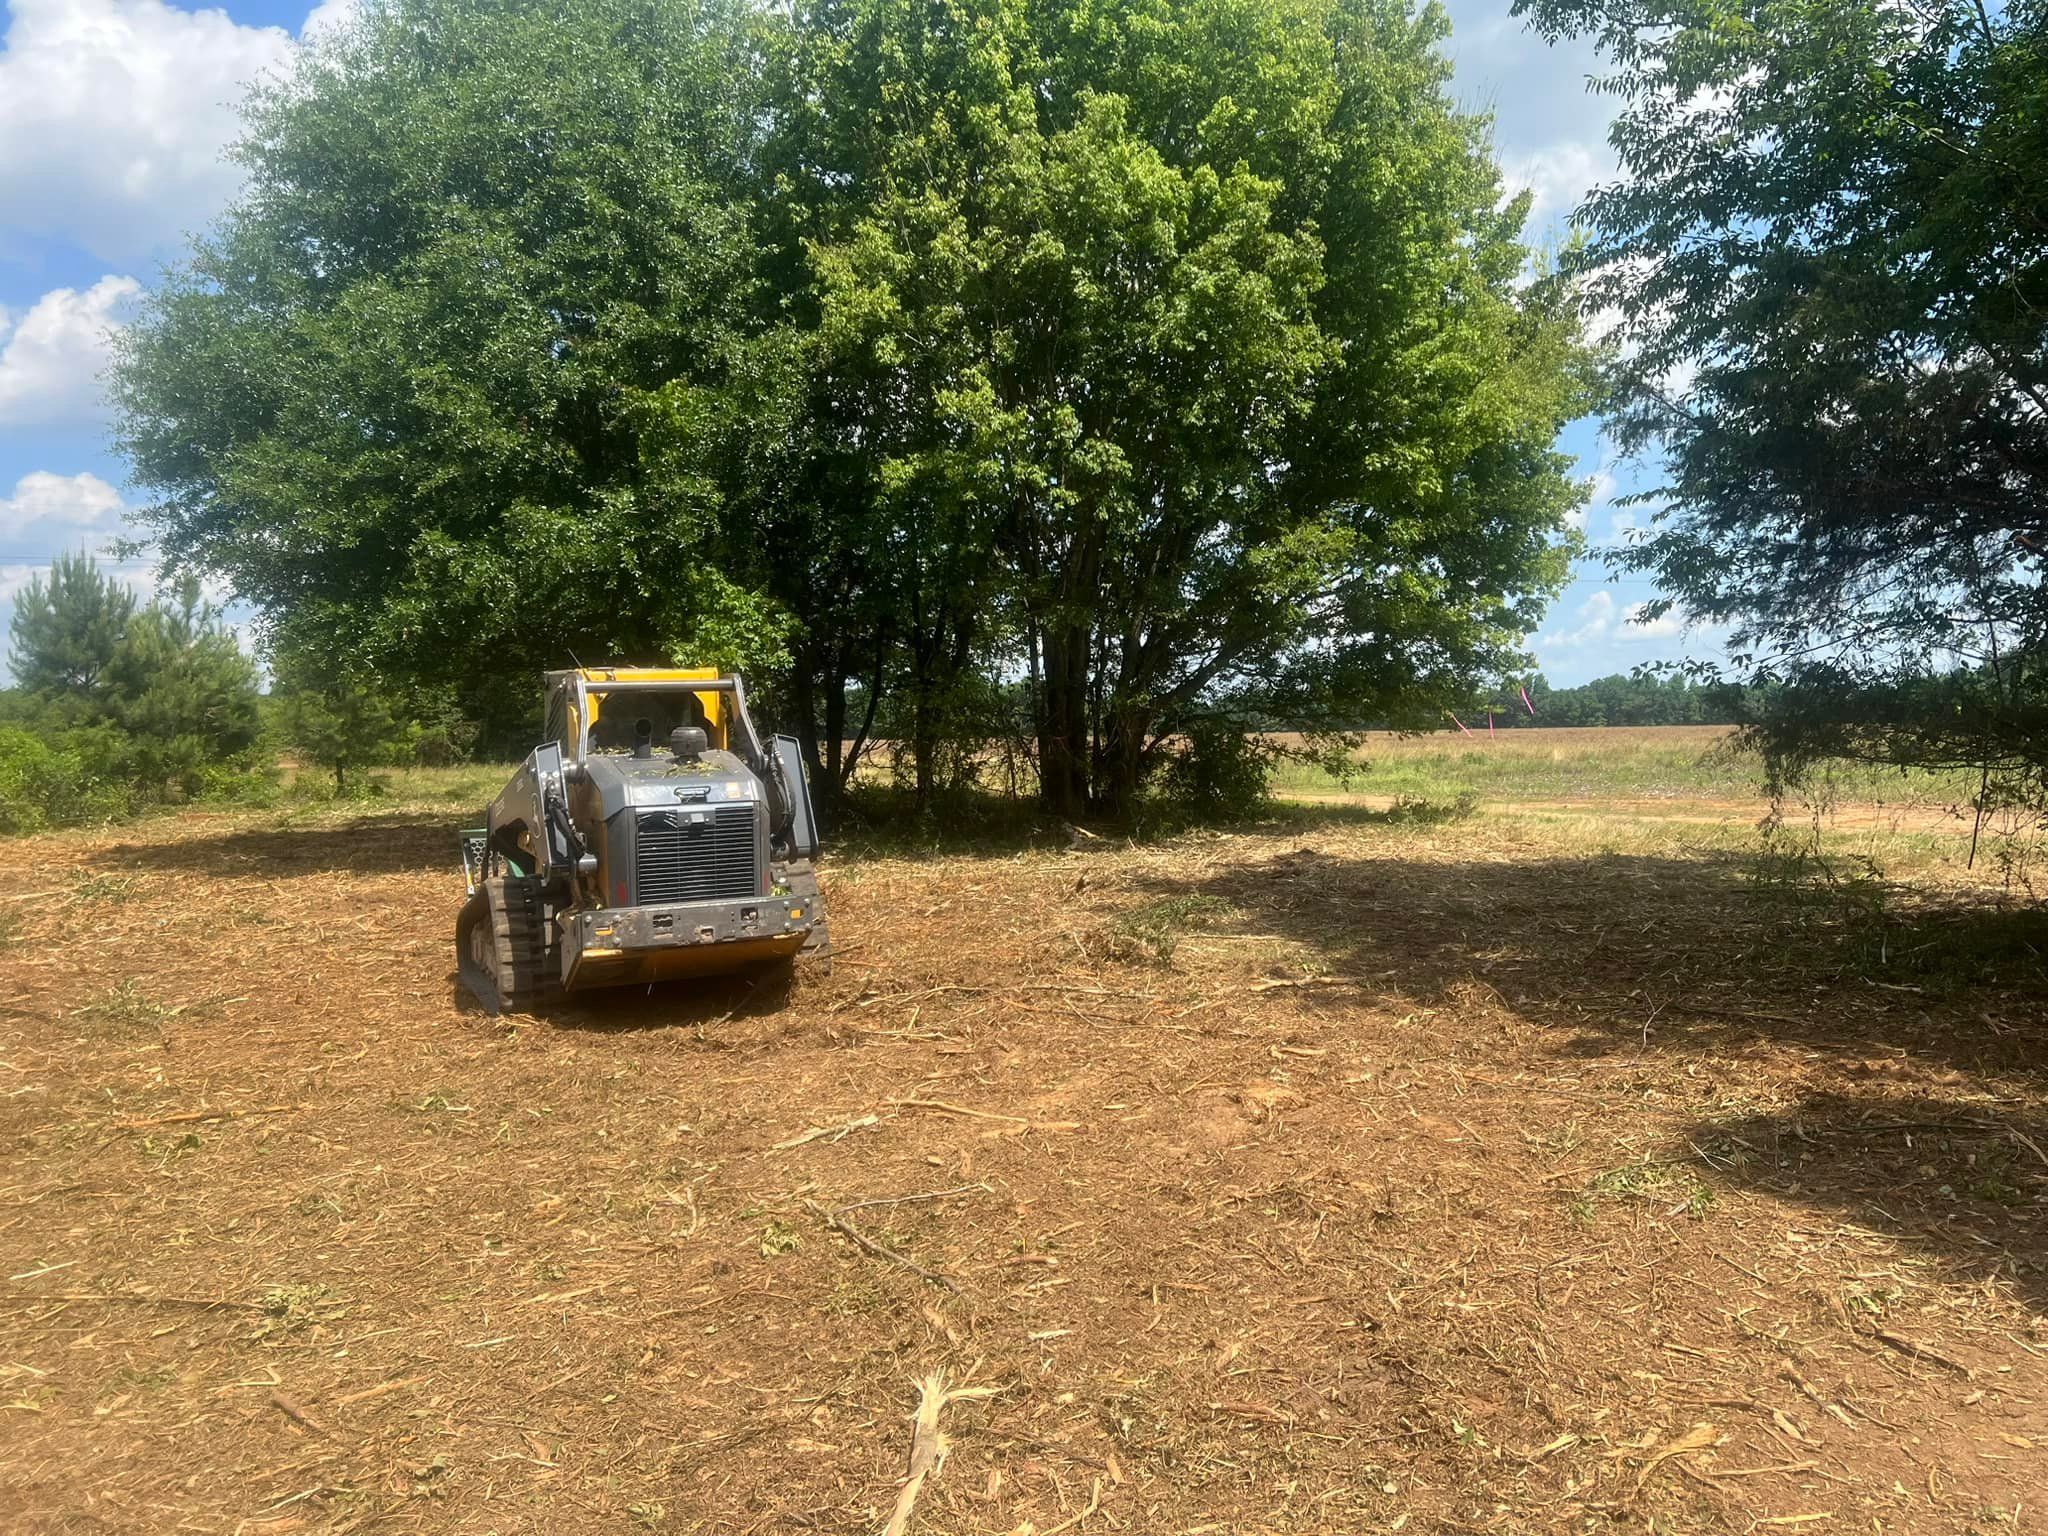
x=1199, y=331
x=1175, y=355
x=394, y=396
x=1828, y=263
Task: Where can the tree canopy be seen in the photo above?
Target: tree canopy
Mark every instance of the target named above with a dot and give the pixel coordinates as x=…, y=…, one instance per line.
x=1828, y=260
x=1181, y=358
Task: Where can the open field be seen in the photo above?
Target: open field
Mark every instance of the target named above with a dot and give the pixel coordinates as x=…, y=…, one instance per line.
x=1366, y=1171
x=1656, y=763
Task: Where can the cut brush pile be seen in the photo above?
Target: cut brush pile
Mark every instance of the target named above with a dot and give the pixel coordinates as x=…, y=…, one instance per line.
x=1343, y=1177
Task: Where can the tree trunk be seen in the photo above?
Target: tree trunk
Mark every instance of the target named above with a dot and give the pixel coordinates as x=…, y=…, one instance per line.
x=834, y=744
x=1063, y=733
x=859, y=745
x=924, y=749
x=1122, y=775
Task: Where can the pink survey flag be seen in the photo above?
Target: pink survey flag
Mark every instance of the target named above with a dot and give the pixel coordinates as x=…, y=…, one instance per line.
x=1489, y=723
x=1525, y=702
x=1458, y=723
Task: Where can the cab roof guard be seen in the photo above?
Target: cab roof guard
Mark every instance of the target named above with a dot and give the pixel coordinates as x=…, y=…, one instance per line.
x=750, y=744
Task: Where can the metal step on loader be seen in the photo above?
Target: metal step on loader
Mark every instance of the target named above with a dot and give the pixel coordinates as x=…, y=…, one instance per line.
x=652, y=835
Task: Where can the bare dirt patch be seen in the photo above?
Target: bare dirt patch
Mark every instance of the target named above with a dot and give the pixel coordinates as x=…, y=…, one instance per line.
x=1357, y=1178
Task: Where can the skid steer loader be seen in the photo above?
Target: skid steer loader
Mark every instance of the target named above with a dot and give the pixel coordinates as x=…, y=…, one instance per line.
x=651, y=835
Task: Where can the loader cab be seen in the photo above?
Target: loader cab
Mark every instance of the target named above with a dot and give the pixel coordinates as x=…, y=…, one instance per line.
x=617, y=711
x=616, y=724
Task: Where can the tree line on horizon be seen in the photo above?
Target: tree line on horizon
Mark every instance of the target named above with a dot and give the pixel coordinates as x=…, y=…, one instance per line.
x=1620, y=698
x=116, y=705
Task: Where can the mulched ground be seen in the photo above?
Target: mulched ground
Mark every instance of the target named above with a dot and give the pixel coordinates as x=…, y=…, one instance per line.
x=1350, y=1177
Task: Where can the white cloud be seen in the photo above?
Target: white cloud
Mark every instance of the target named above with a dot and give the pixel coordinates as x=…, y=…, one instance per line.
x=1535, y=90
x=1560, y=175
x=1601, y=622
x=328, y=16
x=113, y=114
x=1593, y=623
x=14, y=579
x=1679, y=379
x=1667, y=626
x=53, y=355
x=50, y=512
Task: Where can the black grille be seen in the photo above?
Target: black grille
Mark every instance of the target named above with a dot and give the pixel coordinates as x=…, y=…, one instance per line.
x=681, y=860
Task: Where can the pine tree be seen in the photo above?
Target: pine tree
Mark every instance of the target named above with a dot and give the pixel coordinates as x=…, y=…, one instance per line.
x=343, y=718
x=67, y=629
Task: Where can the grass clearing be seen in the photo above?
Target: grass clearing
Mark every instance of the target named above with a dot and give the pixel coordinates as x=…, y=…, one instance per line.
x=1445, y=1172
x=125, y=1008
x=1670, y=764
x=99, y=888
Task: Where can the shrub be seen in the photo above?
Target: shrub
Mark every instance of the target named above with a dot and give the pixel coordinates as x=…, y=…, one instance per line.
x=344, y=720
x=1219, y=773
x=49, y=782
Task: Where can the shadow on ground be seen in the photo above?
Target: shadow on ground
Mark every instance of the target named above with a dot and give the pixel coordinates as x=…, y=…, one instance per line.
x=369, y=845
x=688, y=1005
x=1935, y=1007
x=1626, y=951
x=1967, y=1181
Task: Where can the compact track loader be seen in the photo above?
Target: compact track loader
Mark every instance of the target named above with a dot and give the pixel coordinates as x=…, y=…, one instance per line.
x=651, y=835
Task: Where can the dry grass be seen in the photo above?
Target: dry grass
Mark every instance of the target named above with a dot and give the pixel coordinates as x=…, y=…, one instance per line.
x=1352, y=1176
x=1692, y=770
x=1548, y=742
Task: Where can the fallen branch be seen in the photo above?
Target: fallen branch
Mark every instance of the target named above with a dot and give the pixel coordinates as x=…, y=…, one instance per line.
x=196, y=1116
x=928, y=1444
x=861, y=1240
x=1065, y=986
x=1906, y=1346
x=821, y=1132
x=985, y=1114
x=1781, y=1469
x=303, y=1419
x=930, y=1194
x=1258, y=1412
x=23, y=1298
x=1094, y=1503
x=1563, y=1442
x=380, y=1389
x=1835, y=1410
x=1701, y=1437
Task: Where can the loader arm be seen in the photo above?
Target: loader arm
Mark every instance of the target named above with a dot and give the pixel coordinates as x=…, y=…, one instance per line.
x=529, y=824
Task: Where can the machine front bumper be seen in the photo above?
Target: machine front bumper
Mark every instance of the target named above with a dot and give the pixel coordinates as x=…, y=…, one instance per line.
x=622, y=946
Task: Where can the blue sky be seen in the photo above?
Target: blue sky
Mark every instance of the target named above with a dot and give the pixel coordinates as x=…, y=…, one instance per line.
x=112, y=117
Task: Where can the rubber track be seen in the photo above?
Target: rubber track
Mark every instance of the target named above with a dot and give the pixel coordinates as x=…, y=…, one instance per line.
x=528, y=975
